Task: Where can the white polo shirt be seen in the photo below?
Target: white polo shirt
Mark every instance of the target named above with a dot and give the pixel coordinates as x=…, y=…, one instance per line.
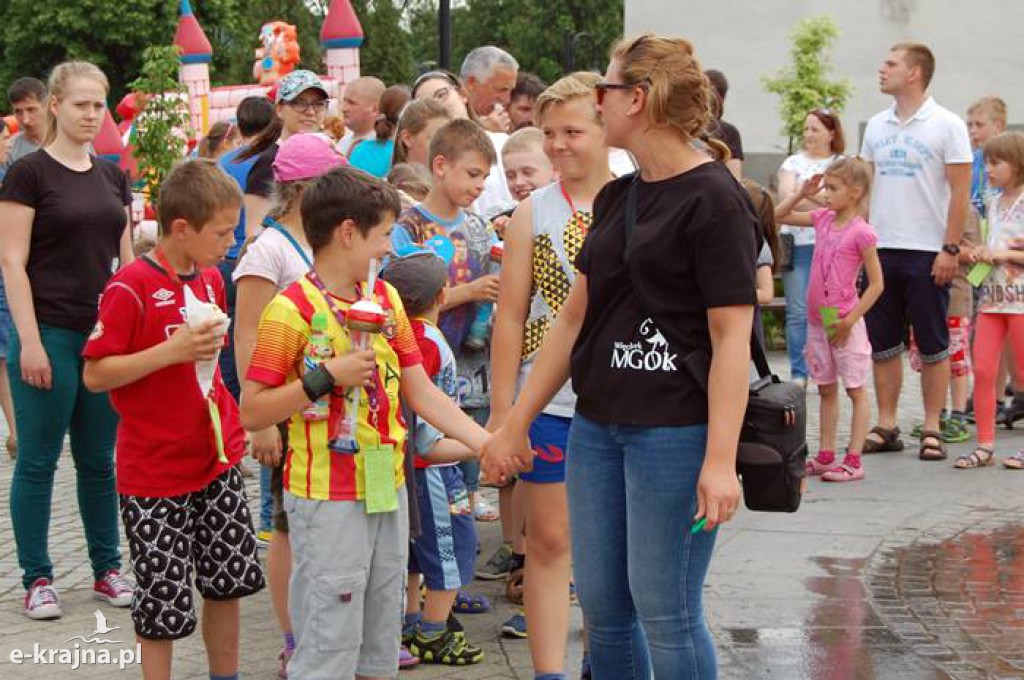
x=910, y=196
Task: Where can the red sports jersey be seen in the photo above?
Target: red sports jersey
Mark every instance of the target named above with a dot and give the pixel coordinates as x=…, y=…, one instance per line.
x=165, y=440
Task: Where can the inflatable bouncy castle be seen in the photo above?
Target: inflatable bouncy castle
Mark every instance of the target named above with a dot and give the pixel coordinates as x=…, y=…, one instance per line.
x=341, y=36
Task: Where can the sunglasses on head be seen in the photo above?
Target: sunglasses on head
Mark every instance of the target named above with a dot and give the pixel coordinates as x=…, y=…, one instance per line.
x=827, y=116
x=435, y=75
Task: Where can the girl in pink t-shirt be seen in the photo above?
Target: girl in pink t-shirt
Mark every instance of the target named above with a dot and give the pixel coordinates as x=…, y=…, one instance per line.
x=837, y=339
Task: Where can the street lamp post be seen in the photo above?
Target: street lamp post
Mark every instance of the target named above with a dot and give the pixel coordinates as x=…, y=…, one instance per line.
x=573, y=45
x=444, y=33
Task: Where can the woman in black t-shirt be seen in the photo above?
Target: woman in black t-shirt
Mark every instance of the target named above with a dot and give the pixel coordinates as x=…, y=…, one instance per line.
x=66, y=229
x=651, y=460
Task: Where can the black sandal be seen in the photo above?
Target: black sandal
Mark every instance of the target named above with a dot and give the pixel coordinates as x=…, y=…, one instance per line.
x=890, y=440
x=932, y=451
x=982, y=456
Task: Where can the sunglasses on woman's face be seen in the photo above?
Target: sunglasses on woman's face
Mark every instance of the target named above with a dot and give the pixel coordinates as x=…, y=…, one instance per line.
x=601, y=88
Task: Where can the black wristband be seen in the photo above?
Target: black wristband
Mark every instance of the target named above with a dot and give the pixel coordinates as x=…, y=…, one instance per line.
x=317, y=383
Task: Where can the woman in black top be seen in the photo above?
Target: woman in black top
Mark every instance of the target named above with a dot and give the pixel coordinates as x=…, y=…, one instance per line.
x=650, y=455
x=66, y=229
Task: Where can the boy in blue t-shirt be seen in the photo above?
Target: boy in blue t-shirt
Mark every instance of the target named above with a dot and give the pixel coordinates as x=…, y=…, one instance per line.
x=986, y=118
x=461, y=156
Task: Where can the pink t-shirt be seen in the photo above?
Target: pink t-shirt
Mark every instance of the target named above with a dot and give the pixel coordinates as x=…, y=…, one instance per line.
x=837, y=261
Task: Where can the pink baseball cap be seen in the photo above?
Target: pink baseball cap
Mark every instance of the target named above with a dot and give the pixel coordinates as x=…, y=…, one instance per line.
x=305, y=156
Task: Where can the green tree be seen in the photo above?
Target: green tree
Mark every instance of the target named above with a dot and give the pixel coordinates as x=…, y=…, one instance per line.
x=804, y=85
x=387, y=45
x=158, y=141
x=36, y=36
x=534, y=31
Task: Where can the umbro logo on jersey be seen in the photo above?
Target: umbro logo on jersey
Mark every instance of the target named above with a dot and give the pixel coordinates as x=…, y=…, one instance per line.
x=164, y=297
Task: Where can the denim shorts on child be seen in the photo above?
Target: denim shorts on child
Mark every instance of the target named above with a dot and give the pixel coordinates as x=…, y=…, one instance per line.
x=549, y=439
x=959, y=347
x=347, y=591
x=828, y=364
x=445, y=550
x=210, y=531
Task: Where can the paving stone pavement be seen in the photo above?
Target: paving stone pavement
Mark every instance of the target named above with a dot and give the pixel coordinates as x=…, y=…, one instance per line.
x=915, y=573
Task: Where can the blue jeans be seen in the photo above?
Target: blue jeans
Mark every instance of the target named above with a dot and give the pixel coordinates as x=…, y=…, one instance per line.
x=632, y=498
x=794, y=285
x=266, y=522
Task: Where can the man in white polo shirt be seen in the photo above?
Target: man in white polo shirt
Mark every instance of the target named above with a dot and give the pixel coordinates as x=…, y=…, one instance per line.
x=921, y=154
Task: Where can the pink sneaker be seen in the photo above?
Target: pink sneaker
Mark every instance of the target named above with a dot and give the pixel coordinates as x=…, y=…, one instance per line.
x=42, y=601
x=816, y=467
x=406, y=659
x=844, y=473
x=115, y=589
x=283, y=658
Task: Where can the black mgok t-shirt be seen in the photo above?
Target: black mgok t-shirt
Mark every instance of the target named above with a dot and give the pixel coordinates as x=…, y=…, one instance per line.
x=693, y=247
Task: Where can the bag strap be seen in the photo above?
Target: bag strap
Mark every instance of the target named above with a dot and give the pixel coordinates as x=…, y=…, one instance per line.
x=756, y=347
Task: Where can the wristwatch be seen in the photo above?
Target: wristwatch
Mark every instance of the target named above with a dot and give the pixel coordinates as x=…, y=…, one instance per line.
x=317, y=383
x=951, y=248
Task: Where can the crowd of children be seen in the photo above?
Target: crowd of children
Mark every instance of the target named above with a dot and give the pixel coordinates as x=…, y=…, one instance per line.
x=382, y=330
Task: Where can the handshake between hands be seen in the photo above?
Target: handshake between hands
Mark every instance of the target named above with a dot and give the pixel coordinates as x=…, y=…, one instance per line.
x=506, y=452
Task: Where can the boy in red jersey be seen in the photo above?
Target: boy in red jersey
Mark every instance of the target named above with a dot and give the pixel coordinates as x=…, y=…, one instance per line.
x=183, y=503
x=347, y=509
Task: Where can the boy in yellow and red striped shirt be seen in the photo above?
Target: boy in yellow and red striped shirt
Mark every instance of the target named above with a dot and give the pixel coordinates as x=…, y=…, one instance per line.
x=346, y=509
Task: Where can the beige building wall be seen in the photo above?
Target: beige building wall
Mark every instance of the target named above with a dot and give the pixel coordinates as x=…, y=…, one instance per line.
x=979, y=48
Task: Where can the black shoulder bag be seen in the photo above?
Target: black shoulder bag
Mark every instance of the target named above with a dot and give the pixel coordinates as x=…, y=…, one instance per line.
x=772, y=451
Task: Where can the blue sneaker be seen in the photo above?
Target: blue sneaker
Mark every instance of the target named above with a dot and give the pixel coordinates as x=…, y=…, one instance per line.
x=515, y=626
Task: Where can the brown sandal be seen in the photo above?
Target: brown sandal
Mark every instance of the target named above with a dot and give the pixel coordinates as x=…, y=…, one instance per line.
x=514, y=586
x=890, y=440
x=981, y=456
x=932, y=451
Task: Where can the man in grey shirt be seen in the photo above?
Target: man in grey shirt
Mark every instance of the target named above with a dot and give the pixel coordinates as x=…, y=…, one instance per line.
x=27, y=97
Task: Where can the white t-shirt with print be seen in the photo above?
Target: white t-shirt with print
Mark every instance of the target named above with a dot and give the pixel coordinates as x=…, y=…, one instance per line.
x=804, y=167
x=1003, y=290
x=910, y=197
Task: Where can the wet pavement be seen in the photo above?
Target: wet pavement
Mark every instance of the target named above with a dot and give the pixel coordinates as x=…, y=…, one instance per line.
x=915, y=573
